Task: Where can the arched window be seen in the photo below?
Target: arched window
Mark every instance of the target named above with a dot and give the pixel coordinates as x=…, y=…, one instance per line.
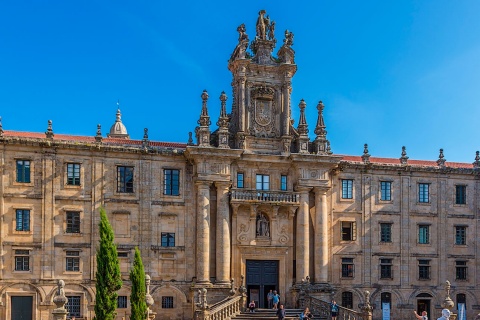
x=461, y=306
x=386, y=297
x=347, y=300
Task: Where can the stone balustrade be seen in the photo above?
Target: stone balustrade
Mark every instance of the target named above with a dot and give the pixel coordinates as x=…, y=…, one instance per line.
x=264, y=196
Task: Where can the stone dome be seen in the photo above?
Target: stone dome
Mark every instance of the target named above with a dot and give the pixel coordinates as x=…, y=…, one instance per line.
x=118, y=129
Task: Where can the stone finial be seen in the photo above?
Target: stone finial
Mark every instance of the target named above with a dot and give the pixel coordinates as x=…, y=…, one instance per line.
x=49, y=133
x=441, y=159
x=149, y=299
x=60, y=300
x=118, y=129
x=404, y=158
x=367, y=307
x=288, y=41
x=302, y=123
x=190, y=139
x=202, y=299
x=222, y=123
x=232, y=287
x=322, y=145
x=98, y=136
x=145, y=141
x=204, y=118
x=366, y=155
x=476, y=164
x=1, y=128
x=203, y=131
x=447, y=302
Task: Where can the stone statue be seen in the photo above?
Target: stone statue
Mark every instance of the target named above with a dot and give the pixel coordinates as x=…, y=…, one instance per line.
x=263, y=229
x=288, y=41
x=242, y=35
x=271, y=31
x=261, y=25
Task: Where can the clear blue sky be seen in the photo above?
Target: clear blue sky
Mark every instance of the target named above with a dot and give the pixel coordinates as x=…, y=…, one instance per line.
x=390, y=73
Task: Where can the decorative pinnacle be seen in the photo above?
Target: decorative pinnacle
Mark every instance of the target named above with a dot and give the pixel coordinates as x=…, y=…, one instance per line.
x=204, y=120
x=223, y=99
x=98, y=137
x=404, y=158
x=441, y=159
x=49, y=132
x=302, y=123
x=1, y=127
x=145, y=134
x=190, y=139
x=320, y=128
x=476, y=164
x=365, y=156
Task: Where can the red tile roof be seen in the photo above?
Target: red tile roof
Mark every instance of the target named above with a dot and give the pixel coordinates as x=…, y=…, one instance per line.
x=428, y=163
x=91, y=139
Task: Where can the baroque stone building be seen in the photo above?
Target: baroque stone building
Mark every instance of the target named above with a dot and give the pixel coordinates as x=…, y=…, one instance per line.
x=254, y=201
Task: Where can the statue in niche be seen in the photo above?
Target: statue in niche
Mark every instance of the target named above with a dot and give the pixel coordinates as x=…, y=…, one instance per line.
x=263, y=228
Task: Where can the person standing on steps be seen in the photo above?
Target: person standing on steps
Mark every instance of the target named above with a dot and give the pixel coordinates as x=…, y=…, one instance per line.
x=281, y=312
x=334, y=309
x=275, y=299
x=251, y=306
x=270, y=299
x=421, y=317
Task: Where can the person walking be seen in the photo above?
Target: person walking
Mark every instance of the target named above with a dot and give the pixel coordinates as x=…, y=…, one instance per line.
x=421, y=317
x=275, y=299
x=334, y=309
x=270, y=299
x=281, y=312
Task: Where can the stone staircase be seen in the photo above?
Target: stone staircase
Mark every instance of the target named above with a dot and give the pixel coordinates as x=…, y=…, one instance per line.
x=268, y=314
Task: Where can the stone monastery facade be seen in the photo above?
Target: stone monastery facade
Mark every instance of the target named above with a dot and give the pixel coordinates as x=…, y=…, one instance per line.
x=252, y=200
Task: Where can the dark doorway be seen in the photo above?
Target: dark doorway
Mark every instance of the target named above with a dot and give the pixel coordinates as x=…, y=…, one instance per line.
x=262, y=276
x=22, y=307
x=423, y=305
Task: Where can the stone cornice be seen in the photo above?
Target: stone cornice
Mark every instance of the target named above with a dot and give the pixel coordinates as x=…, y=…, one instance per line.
x=406, y=168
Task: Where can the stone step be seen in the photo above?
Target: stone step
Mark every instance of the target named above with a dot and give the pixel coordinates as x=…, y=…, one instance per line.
x=269, y=314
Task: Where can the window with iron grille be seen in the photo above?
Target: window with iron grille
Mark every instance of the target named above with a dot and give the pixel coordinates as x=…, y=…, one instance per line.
x=263, y=182
x=347, y=300
x=424, y=269
x=22, y=260
x=385, y=190
x=348, y=268
x=347, y=189
x=121, y=302
x=23, y=171
x=72, y=261
x=386, y=269
x=460, y=194
x=73, y=174
x=22, y=220
x=240, y=180
x=167, y=302
x=385, y=232
x=168, y=239
x=461, y=270
x=124, y=179
x=171, y=182
x=73, y=222
x=73, y=306
x=283, y=183
x=349, y=231
x=460, y=235
x=424, y=234
x=423, y=192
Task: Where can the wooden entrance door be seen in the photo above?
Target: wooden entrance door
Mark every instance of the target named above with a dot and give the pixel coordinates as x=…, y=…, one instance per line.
x=262, y=276
x=21, y=307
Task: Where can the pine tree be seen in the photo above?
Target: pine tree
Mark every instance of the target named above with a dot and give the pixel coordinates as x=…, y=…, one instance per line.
x=138, y=304
x=108, y=275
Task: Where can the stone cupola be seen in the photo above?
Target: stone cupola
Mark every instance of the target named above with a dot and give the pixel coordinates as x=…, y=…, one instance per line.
x=118, y=129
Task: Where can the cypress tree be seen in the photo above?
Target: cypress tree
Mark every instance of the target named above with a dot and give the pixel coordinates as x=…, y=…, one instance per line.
x=108, y=275
x=138, y=304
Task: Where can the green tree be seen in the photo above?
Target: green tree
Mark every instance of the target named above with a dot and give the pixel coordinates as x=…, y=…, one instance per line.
x=138, y=304
x=109, y=279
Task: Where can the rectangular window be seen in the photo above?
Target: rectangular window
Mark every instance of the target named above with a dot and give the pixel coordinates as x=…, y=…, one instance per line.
x=424, y=269
x=460, y=235
x=385, y=190
x=73, y=306
x=423, y=234
x=263, y=182
x=349, y=231
x=283, y=183
x=423, y=192
x=121, y=302
x=347, y=300
x=168, y=239
x=171, y=182
x=167, y=302
x=73, y=174
x=240, y=180
x=23, y=171
x=73, y=222
x=460, y=194
x=22, y=260
x=122, y=254
x=385, y=232
x=461, y=270
x=124, y=179
x=348, y=268
x=386, y=269
x=72, y=261
x=22, y=220
x=347, y=189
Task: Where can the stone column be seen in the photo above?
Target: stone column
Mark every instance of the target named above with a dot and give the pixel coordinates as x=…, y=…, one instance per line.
x=223, y=233
x=203, y=231
x=241, y=102
x=303, y=236
x=321, y=236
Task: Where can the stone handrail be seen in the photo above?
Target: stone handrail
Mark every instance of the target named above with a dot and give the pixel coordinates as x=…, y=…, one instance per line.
x=322, y=308
x=239, y=194
x=224, y=309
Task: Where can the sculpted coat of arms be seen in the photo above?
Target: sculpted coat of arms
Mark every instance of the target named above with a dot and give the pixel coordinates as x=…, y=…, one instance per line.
x=262, y=106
